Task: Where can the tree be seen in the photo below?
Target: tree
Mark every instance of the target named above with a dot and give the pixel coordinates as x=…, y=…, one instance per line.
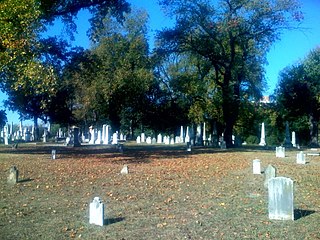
x=28, y=70
x=233, y=36
x=297, y=96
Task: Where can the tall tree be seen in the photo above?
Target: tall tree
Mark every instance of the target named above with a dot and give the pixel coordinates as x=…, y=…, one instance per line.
x=297, y=95
x=234, y=37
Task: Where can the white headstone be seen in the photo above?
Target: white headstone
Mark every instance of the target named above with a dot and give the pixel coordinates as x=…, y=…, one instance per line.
x=143, y=137
x=159, y=138
x=187, y=138
x=138, y=140
x=172, y=141
x=256, y=166
x=293, y=141
x=166, y=140
x=6, y=135
x=92, y=135
x=105, y=134
x=148, y=140
x=263, y=135
x=181, y=135
x=204, y=137
x=188, y=146
x=125, y=170
x=99, y=139
x=280, y=198
x=269, y=172
x=115, y=138
x=53, y=154
x=96, y=212
x=301, y=158
x=280, y=152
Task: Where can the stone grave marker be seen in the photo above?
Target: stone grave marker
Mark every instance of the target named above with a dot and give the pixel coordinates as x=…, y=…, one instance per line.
x=223, y=145
x=256, y=166
x=143, y=137
x=188, y=146
x=154, y=141
x=125, y=170
x=96, y=212
x=53, y=154
x=13, y=175
x=269, y=172
x=148, y=140
x=301, y=158
x=280, y=152
x=280, y=198
x=159, y=138
x=263, y=136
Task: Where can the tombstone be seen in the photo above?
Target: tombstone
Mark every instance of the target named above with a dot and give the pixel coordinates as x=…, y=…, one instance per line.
x=166, y=140
x=143, y=137
x=115, y=138
x=280, y=198
x=301, y=158
x=5, y=135
x=153, y=141
x=269, y=172
x=45, y=134
x=280, y=152
x=171, y=141
x=138, y=140
x=187, y=138
x=181, y=140
x=125, y=170
x=74, y=137
x=159, y=138
x=223, y=145
x=287, y=141
x=105, y=134
x=92, y=135
x=121, y=137
x=53, y=154
x=293, y=141
x=96, y=212
x=177, y=139
x=188, y=146
x=263, y=136
x=13, y=175
x=198, y=135
x=20, y=131
x=27, y=136
x=99, y=139
x=256, y=166
x=204, y=137
x=148, y=140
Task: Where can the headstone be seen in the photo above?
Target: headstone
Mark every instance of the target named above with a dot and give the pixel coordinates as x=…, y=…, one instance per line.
x=45, y=135
x=115, y=138
x=74, y=137
x=181, y=140
x=280, y=152
x=13, y=175
x=188, y=146
x=99, y=138
x=121, y=137
x=153, y=140
x=159, y=138
x=256, y=166
x=263, y=135
x=5, y=135
x=143, y=137
x=301, y=158
x=172, y=141
x=223, y=145
x=148, y=140
x=269, y=172
x=92, y=135
x=53, y=154
x=187, y=138
x=280, y=198
x=125, y=170
x=96, y=212
x=293, y=141
x=105, y=134
x=138, y=140
x=166, y=140
x=204, y=137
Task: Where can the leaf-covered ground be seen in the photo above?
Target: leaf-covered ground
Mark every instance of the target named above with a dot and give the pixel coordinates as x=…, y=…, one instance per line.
x=168, y=193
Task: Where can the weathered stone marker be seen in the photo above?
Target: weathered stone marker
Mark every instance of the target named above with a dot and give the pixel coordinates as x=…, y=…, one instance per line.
x=269, y=172
x=280, y=152
x=96, y=212
x=256, y=166
x=280, y=198
x=301, y=158
x=188, y=146
x=13, y=175
x=125, y=170
x=53, y=154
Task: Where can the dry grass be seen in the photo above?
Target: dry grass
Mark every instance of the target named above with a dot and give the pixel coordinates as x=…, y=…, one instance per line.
x=168, y=194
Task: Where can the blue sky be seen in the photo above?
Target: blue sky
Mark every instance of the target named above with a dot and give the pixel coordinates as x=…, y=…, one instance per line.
x=293, y=46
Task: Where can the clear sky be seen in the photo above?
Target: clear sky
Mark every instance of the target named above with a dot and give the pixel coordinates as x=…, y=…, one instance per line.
x=293, y=46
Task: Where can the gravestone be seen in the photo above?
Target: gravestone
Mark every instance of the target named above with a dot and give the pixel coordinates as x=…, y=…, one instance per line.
x=287, y=141
x=143, y=137
x=115, y=138
x=223, y=145
x=280, y=198
x=154, y=140
x=269, y=172
x=187, y=138
x=172, y=141
x=159, y=138
x=293, y=141
x=96, y=212
x=148, y=140
x=188, y=146
x=74, y=137
x=181, y=139
x=92, y=135
x=13, y=175
x=125, y=170
x=138, y=140
x=53, y=154
x=280, y=152
x=6, y=135
x=301, y=158
x=256, y=166
x=263, y=136
x=99, y=138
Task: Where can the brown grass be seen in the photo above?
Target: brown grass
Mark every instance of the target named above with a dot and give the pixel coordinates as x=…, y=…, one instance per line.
x=168, y=194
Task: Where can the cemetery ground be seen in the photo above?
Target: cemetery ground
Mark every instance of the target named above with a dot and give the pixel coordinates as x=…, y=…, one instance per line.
x=169, y=193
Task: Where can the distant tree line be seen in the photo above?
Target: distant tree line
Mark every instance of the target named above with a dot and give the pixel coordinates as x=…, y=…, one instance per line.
x=209, y=67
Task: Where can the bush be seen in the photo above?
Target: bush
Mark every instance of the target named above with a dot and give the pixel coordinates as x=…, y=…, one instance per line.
x=252, y=139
